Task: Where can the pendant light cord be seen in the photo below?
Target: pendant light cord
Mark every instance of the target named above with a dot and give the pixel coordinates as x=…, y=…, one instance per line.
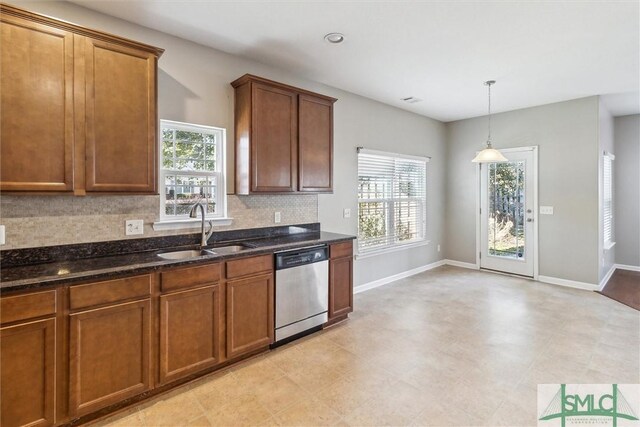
x=489, y=83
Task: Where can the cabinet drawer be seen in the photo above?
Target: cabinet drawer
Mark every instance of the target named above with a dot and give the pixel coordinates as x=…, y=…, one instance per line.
x=249, y=266
x=27, y=306
x=341, y=250
x=182, y=278
x=109, y=291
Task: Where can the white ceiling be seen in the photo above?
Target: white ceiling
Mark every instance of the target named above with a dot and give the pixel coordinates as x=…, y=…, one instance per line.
x=441, y=52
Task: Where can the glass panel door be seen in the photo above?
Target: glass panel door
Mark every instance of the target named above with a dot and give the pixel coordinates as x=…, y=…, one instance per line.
x=506, y=209
x=506, y=214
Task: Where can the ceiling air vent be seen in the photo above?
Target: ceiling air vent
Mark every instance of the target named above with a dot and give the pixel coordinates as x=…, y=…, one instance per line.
x=411, y=99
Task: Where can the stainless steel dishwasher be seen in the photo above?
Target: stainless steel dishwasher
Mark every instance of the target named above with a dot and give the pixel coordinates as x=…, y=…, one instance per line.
x=302, y=290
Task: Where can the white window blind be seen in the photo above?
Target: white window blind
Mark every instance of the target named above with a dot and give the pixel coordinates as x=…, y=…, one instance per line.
x=607, y=178
x=391, y=200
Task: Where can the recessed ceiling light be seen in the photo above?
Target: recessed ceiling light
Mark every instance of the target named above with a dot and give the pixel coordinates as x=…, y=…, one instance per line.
x=334, y=38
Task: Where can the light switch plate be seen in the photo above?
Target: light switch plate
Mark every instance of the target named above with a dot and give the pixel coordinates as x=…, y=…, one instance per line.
x=546, y=210
x=2, y=241
x=277, y=218
x=134, y=226
x=346, y=213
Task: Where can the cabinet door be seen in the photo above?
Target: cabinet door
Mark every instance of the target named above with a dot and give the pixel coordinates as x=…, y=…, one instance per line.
x=27, y=357
x=249, y=314
x=189, y=332
x=109, y=355
x=121, y=123
x=340, y=287
x=274, y=139
x=316, y=144
x=36, y=92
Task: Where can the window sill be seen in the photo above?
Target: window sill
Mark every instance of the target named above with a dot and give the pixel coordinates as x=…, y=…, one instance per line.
x=392, y=249
x=609, y=245
x=180, y=224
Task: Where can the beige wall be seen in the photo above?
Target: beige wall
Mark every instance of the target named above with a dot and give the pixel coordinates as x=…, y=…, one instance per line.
x=567, y=136
x=627, y=190
x=358, y=122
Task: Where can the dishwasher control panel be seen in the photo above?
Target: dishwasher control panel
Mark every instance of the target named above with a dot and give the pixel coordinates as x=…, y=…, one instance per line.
x=295, y=258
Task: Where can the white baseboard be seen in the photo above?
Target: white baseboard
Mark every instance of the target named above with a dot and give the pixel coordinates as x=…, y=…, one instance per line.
x=568, y=283
x=393, y=278
x=606, y=277
x=545, y=279
x=461, y=264
x=627, y=267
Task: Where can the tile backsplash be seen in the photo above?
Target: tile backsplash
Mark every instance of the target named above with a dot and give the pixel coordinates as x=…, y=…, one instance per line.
x=33, y=221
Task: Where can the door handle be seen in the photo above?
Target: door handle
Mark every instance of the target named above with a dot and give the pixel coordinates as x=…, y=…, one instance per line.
x=529, y=219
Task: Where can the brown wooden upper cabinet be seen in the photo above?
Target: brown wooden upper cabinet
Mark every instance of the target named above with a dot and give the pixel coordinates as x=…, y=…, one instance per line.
x=78, y=108
x=283, y=138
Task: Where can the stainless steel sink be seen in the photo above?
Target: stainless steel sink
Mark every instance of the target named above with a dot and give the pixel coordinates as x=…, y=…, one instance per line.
x=186, y=254
x=230, y=248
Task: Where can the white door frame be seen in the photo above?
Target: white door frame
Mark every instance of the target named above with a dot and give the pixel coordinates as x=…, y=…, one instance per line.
x=536, y=257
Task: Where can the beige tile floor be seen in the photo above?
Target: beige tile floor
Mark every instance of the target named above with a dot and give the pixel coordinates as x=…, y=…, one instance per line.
x=447, y=347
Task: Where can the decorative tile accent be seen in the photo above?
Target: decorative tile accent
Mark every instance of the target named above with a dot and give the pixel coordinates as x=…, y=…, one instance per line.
x=33, y=221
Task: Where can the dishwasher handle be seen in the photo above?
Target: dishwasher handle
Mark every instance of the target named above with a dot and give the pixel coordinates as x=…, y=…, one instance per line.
x=293, y=259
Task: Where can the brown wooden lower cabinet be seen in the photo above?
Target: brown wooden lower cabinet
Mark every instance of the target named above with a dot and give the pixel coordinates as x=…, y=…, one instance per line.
x=27, y=375
x=117, y=339
x=189, y=332
x=250, y=315
x=109, y=355
x=340, y=280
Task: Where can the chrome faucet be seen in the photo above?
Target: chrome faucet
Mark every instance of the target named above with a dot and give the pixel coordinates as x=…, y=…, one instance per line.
x=194, y=214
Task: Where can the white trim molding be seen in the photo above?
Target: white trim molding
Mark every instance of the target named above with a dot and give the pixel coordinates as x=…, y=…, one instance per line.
x=462, y=264
x=544, y=279
x=606, y=277
x=393, y=278
x=568, y=283
x=181, y=224
x=627, y=267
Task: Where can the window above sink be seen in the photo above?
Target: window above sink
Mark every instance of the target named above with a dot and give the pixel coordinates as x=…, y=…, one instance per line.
x=192, y=169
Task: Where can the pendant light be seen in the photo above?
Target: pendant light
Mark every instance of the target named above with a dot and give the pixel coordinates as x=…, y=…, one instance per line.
x=489, y=154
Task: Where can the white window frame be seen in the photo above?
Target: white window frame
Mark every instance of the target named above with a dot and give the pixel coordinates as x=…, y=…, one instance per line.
x=168, y=222
x=396, y=246
x=607, y=200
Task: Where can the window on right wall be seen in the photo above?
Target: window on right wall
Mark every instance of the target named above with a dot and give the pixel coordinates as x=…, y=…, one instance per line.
x=392, y=201
x=607, y=200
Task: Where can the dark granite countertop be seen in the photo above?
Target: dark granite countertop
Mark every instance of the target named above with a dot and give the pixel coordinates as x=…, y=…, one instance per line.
x=65, y=271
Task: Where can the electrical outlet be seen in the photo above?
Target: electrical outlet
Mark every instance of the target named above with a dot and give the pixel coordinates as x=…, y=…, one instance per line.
x=2, y=241
x=438, y=248
x=277, y=217
x=346, y=213
x=546, y=210
x=134, y=226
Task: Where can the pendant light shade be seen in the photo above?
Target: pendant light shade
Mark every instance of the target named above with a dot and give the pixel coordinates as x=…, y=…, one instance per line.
x=489, y=154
